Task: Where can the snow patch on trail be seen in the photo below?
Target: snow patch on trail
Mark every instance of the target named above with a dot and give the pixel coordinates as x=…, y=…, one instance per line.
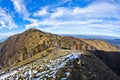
x=73, y=56
x=50, y=68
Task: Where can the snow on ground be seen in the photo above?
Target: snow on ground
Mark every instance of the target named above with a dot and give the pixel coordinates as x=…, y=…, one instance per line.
x=49, y=69
x=8, y=74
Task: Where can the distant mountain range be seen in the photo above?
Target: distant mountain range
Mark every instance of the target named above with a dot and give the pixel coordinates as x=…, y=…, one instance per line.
x=98, y=37
x=3, y=39
x=113, y=40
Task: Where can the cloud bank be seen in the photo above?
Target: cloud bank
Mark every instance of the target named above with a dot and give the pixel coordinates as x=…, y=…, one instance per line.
x=6, y=20
x=101, y=17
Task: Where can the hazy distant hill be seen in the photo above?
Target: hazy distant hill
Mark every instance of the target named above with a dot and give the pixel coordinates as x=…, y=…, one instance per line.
x=3, y=39
x=113, y=40
x=99, y=37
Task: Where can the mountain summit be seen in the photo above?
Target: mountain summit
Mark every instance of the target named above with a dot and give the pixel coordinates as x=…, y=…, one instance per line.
x=33, y=44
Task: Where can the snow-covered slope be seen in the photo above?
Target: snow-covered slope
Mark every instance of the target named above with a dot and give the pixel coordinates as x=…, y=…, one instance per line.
x=40, y=69
x=71, y=66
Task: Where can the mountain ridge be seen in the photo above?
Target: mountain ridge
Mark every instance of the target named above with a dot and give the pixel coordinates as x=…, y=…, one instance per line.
x=31, y=45
x=34, y=38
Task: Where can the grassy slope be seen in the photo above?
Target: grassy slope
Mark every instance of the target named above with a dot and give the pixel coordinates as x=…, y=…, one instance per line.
x=102, y=45
x=25, y=47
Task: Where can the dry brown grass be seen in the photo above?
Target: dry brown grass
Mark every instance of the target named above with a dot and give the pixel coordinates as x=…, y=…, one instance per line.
x=101, y=45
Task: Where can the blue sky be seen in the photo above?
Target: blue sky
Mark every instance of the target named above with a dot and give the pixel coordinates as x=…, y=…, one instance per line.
x=97, y=17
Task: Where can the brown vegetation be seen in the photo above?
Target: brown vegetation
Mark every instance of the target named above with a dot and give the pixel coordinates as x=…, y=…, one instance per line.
x=22, y=47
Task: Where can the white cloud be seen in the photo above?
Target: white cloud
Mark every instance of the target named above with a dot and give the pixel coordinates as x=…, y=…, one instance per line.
x=102, y=16
x=20, y=7
x=79, y=10
x=4, y=36
x=55, y=23
x=59, y=12
x=41, y=12
x=6, y=21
